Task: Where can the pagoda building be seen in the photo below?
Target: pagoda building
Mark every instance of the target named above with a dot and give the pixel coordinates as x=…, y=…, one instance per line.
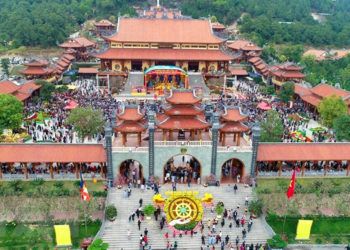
x=183, y=114
x=104, y=27
x=64, y=62
x=286, y=72
x=130, y=121
x=244, y=49
x=232, y=123
x=37, y=69
x=80, y=46
x=141, y=43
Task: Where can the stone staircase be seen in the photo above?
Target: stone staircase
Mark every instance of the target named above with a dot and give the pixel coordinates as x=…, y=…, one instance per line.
x=196, y=80
x=135, y=79
x=115, y=233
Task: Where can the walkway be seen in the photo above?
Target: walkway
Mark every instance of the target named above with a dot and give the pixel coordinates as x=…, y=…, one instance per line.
x=115, y=233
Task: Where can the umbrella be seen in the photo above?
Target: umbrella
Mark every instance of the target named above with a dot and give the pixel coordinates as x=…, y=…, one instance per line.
x=264, y=106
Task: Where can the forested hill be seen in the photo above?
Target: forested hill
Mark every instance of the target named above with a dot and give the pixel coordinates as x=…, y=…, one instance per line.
x=47, y=22
x=263, y=20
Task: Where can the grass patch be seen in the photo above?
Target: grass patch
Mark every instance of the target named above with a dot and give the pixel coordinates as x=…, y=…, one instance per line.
x=324, y=229
x=41, y=236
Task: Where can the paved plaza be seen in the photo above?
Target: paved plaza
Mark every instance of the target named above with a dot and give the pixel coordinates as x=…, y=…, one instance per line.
x=115, y=233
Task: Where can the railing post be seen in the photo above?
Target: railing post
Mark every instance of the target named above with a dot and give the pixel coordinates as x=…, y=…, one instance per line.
x=108, y=139
x=214, y=149
x=255, y=144
x=151, y=129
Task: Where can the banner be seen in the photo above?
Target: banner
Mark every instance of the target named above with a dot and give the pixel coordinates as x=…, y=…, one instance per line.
x=304, y=229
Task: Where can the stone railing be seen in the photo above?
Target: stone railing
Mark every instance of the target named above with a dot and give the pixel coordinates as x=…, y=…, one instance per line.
x=235, y=148
x=130, y=149
x=182, y=143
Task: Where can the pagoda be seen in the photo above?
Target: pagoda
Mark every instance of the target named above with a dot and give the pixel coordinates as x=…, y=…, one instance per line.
x=286, y=72
x=130, y=121
x=80, y=46
x=104, y=27
x=232, y=123
x=183, y=114
x=37, y=69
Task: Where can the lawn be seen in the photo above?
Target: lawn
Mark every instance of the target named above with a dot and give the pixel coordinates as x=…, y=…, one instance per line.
x=324, y=229
x=41, y=236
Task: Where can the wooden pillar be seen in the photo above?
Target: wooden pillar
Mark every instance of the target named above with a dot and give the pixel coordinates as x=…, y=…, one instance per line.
x=101, y=169
x=224, y=139
x=279, y=165
x=51, y=170
x=238, y=139
x=325, y=168
x=302, y=168
x=26, y=170
x=76, y=168
x=234, y=137
x=123, y=138
x=192, y=135
x=348, y=168
x=0, y=171
x=164, y=135
x=139, y=138
x=170, y=135
x=200, y=135
x=220, y=137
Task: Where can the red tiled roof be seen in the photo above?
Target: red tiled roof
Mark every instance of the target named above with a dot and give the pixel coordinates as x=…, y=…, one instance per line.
x=78, y=42
x=184, y=110
x=130, y=127
x=37, y=63
x=288, y=66
x=254, y=59
x=165, y=54
x=104, y=23
x=62, y=63
x=233, y=127
x=69, y=57
x=61, y=153
x=29, y=87
x=8, y=87
x=303, y=151
x=233, y=115
x=301, y=90
x=88, y=71
x=130, y=114
x=183, y=122
x=243, y=45
x=21, y=96
x=182, y=97
x=164, y=31
x=288, y=74
x=311, y=99
x=218, y=26
x=325, y=90
x=261, y=66
x=238, y=72
x=36, y=71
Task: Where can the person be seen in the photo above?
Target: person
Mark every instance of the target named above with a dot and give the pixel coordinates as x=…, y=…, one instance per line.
x=246, y=200
x=129, y=192
x=140, y=202
x=222, y=245
x=244, y=233
x=139, y=224
x=250, y=223
x=235, y=188
x=145, y=231
x=227, y=239
x=222, y=222
x=203, y=239
x=174, y=186
x=237, y=240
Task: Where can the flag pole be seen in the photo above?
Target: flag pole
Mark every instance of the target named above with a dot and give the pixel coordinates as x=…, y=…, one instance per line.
x=85, y=206
x=285, y=216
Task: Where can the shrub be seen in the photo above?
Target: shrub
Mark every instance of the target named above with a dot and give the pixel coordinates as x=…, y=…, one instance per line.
x=111, y=212
x=333, y=191
x=149, y=209
x=219, y=209
x=318, y=241
x=336, y=241
x=16, y=186
x=58, y=184
x=99, y=193
x=263, y=191
x=256, y=207
x=186, y=227
x=37, y=182
x=98, y=244
x=277, y=242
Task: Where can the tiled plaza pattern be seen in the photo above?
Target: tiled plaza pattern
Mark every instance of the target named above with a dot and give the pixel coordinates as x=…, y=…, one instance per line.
x=115, y=233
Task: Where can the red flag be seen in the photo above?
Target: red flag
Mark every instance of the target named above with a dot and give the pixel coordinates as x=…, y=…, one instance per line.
x=291, y=188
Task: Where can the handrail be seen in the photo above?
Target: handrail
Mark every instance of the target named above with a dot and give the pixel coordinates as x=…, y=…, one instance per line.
x=183, y=143
x=235, y=148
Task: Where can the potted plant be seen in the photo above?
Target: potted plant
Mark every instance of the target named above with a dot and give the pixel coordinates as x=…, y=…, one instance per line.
x=111, y=212
x=149, y=210
x=219, y=209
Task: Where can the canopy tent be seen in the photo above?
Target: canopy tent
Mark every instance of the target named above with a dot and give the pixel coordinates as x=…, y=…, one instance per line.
x=71, y=105
x=63, y=236
x=264, y=106
x=159, y=78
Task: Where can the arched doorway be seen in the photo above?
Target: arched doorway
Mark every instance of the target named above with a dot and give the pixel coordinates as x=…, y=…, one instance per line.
x=131, y=170
x=232, y=171
x=182, y=168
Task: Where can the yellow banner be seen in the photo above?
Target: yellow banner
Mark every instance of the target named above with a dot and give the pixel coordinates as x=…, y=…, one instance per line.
x=63, y=237
x=304, y=229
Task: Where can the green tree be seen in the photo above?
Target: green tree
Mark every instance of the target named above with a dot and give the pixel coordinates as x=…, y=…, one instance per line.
x=46, y=90
x=5, y=65
x=11, y=112
x=271, y=127
x=330, y=108
x=86, y=121
x=341, y=127
x=98, y=244
x=287, y=91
